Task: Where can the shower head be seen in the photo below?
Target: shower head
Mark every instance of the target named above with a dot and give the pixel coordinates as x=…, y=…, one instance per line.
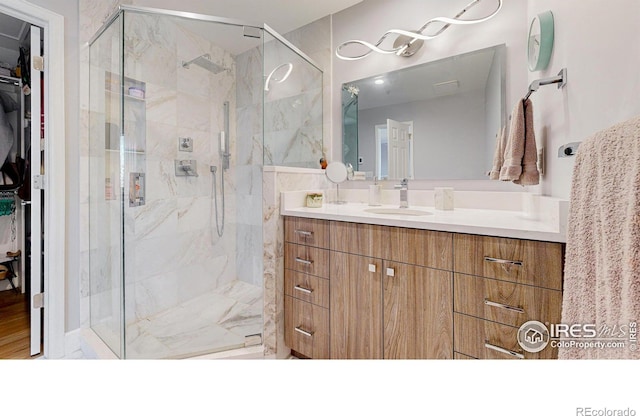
x=204, y=61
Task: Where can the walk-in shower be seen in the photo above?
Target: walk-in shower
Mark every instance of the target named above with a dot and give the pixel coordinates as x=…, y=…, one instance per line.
x=177, y=103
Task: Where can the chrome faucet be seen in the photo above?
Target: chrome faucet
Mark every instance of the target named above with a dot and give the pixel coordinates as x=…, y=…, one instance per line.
x=404, y=190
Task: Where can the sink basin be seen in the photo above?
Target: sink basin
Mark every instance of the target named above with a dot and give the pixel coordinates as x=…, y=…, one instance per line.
x=397, y=211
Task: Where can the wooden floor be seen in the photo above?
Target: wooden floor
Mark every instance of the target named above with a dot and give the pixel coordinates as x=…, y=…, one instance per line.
x=14, y=325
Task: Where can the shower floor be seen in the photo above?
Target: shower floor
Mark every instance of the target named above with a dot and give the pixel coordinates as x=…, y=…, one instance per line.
x=215, y=321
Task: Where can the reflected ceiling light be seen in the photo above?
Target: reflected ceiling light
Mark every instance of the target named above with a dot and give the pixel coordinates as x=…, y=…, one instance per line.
x=270, y=77
x=379, y=81
x=407, y=42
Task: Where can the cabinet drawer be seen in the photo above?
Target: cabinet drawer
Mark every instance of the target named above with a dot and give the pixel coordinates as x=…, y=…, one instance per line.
x=504, y=302
x=306, y=328
x=307, y=231
x=307, y=287
x=534, y=263
x=479, y=338
x=406, y=245
x=305, y=259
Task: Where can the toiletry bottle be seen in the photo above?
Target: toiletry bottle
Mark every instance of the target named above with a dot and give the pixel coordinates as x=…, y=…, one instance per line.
x=375, y=192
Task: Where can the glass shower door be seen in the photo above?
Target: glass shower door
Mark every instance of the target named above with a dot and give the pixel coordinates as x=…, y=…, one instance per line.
x=192, y=253
x=105, y=190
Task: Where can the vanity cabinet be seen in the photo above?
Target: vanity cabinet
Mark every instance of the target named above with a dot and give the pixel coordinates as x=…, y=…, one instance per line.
x=368, y=291
x=499, y=284
x=306, y=286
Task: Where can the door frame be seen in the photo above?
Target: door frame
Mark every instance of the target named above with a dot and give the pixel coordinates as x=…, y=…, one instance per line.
x=54, y=269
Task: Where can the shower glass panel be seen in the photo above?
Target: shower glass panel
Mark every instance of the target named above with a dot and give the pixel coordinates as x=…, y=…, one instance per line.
x=178, y=104
x=292, y=107
x=105, y=198
x=350, y=126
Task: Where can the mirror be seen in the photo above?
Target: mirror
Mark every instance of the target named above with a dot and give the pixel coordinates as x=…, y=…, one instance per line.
x=437, y=120
x=338, y=172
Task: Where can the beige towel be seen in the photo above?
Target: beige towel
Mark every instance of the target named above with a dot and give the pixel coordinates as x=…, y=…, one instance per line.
x=521, y=154
x=602, y=265
x=498, y=156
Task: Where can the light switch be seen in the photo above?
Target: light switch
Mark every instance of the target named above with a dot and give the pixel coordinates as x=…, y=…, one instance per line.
x=372, y=268
x=391, y=272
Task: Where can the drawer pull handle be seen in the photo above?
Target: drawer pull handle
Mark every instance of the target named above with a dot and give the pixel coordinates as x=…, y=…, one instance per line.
x=503, y=261
x=303, y=289
x=303, y=332
x=303, y=261
x=304, y=233
x=503, y=306
x=503, y=350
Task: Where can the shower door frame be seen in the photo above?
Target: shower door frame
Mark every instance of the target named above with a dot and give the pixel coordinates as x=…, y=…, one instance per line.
x=204, y=18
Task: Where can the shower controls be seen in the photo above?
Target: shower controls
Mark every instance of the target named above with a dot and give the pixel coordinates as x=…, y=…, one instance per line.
x=136, y=189
x=186, y=168
x=185, y=144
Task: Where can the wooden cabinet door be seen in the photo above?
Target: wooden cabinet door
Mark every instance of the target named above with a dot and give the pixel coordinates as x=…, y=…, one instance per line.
x=418, y=312
x=356, y=307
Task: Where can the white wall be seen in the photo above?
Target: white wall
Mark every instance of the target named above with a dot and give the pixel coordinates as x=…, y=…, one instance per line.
x=598, y=43
x=370, y=19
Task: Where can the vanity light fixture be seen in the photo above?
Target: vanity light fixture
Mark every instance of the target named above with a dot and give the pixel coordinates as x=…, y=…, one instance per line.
x=407, y=42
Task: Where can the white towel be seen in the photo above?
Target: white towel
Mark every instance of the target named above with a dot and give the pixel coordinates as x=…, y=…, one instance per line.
x=602, y=265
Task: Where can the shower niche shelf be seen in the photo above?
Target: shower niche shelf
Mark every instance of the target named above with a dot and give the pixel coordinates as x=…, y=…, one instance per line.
x=132, y=88
x=124, y=117
x=133, y=108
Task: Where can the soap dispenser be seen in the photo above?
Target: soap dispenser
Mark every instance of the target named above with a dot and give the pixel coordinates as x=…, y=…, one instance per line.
x=375, y=192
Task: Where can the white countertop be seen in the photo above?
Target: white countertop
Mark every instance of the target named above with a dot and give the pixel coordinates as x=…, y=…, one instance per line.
x=547, y=225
